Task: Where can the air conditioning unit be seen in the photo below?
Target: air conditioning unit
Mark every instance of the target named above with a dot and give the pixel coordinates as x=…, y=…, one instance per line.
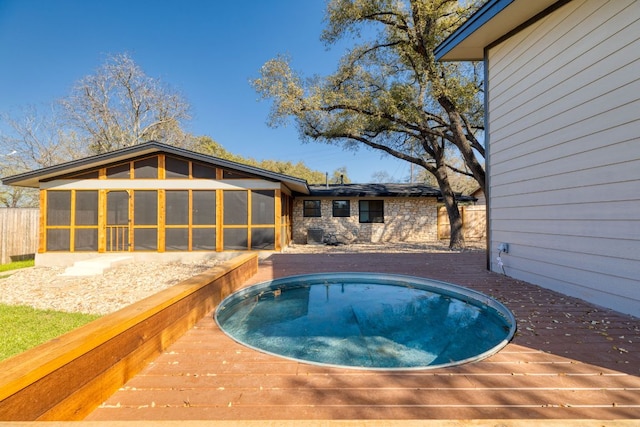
x=315, y=236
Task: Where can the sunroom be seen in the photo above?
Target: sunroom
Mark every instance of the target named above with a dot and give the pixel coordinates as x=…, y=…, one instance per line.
x=157, y=198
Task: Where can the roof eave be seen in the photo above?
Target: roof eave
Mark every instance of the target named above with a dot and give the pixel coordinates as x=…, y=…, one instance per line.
x=488, y=24
x=33, y=178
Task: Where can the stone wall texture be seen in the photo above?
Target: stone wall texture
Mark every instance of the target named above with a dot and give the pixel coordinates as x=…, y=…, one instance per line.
x=407, y=219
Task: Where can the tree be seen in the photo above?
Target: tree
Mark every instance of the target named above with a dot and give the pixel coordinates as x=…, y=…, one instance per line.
x=206, y=145
x=116, y=107
x=461, y=183
x=120, y=105
x=389, y=93
x=339, y=176
x=36, y=141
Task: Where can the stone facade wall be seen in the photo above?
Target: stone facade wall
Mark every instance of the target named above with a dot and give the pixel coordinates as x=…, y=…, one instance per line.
x=406, y=219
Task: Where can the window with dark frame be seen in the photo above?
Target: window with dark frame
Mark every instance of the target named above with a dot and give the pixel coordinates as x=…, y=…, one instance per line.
x=371, y=211
x=311, y=209
x=341, y=208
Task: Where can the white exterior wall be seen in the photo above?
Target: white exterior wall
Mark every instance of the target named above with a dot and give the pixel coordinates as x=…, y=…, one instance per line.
x=564, y=152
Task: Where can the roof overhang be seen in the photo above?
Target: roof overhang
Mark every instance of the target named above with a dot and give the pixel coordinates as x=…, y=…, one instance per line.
x=374, y=190
x=33, y=178
x=493, y=20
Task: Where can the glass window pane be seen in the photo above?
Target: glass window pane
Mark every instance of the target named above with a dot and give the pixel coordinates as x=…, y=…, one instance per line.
x=312, y=208
x=371, y=211
x=235, y=207
x=200, y=171
x=86, y=208
x=263, y=207
x=146, y=168
x=263, y=238
x=58, y=240
x=145, y=239
x=204, y=207
x=58, y=207
x=235, y=239
x=145, y=207
x=203, y=239
x=377, y=211
x=177, y=239
x=117, y=208
x=177, y=207
x=176, y=168
x=86, y=239
x=119, y=172
x=341, y=208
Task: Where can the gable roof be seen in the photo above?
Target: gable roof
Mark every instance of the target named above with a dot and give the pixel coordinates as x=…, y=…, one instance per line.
x=33, y=178
x=493, y=21
x=379, y=190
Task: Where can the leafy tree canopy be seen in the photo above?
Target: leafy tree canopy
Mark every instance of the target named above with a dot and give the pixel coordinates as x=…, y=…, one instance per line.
x=207, y=145
x=388, y=92
x=117, y=106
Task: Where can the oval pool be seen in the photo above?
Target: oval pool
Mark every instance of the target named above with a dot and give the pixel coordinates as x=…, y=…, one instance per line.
x=367, y=321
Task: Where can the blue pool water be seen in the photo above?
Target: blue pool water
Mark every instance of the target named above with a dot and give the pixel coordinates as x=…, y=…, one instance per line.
x=369, y=321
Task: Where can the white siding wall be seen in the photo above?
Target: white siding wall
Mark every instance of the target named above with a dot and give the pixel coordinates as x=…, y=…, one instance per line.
x=564, y=134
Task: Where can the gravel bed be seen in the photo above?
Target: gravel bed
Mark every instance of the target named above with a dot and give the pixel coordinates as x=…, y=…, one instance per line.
x=46, y=288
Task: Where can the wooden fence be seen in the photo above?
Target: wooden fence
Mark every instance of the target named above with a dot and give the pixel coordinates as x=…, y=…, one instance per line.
x=474, y=222
x=18, y=233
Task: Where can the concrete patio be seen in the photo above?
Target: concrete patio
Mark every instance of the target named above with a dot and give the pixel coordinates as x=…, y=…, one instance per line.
x=568, y=360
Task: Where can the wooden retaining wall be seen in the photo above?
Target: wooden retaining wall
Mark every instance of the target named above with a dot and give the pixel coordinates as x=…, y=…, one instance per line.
x=68, y=377
x=18, y=232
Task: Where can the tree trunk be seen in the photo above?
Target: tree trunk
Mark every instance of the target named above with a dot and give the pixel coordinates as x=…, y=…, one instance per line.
x=456, y=237
x=462, y=143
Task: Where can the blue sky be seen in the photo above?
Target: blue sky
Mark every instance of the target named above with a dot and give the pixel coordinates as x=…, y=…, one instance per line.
x=208, y=50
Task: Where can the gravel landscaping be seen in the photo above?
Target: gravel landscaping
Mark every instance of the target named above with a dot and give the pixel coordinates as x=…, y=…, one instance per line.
x=46, y=288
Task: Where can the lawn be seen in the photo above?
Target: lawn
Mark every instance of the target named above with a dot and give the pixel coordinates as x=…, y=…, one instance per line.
x=22, y=328
x=26, y=327
x=14, y=266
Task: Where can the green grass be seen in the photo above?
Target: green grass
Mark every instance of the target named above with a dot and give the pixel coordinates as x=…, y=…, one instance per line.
x=22, y=328
x=16, y=265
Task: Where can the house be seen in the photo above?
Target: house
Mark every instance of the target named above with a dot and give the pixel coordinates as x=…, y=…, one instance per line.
x=151, y=199
x=478, y=194
x=562, y=98
x=367, y=213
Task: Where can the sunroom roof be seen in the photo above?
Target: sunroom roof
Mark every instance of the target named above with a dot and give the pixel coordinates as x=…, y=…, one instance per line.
x=33, y=178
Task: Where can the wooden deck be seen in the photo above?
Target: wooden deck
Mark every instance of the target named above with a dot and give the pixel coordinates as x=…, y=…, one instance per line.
x=569, y=360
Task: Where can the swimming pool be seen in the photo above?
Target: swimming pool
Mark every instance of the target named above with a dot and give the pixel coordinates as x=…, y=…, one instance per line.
x=367, y=321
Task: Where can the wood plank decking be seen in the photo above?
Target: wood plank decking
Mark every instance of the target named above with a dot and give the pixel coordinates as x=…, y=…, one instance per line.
x=569, y=360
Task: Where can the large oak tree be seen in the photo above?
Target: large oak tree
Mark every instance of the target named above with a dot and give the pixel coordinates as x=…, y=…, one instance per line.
x=388, y=92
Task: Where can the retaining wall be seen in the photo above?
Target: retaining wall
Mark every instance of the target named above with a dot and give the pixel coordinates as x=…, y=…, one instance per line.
x=68, y=377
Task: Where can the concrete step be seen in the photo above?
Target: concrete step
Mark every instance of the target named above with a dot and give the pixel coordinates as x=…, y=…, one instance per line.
x=95, y=266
